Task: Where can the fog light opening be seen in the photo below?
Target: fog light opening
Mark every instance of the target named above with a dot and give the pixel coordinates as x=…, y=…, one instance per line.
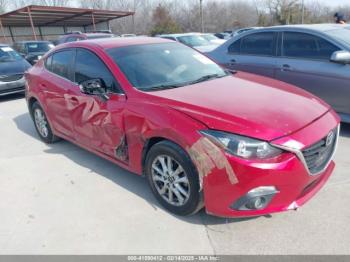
x=256, y=199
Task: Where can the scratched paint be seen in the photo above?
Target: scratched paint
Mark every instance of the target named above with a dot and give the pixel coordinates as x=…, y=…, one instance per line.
x=208, y=156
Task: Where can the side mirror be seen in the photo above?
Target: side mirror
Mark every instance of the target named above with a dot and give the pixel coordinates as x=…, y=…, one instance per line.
x=92, y=87
x=341, y=57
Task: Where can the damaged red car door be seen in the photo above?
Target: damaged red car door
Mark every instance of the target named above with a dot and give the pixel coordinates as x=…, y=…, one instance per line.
x=98, y=120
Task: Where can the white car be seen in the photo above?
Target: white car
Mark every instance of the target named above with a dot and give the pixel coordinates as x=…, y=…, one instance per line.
x=195, y=40
x=213, y=39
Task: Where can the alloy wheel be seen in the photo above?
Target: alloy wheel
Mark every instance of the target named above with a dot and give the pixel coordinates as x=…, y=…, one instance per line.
x=170, y=180
x=41, y=122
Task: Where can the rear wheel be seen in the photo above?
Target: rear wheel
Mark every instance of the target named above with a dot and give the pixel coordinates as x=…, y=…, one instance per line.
x=173, y=178
x=42, y=126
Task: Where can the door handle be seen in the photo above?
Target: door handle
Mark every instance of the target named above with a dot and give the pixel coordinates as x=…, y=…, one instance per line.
x=286, y=67
x=74, y=100
x=232, y=62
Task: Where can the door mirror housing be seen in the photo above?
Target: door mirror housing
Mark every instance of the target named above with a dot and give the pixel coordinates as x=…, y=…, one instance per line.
x=94, y=87
x=341, y=57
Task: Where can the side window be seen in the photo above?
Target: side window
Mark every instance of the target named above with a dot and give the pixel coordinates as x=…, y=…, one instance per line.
x=258, y=44
x=301, y=45
x=89, y=66
x=48, y=63
x=235, y=47
x=61, y=62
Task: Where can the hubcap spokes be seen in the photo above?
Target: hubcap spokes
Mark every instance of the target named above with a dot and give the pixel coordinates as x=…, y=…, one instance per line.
x=40, y=122
x=170, y=180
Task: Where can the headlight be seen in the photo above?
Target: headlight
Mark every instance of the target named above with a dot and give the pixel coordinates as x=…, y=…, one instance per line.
x=242, y=146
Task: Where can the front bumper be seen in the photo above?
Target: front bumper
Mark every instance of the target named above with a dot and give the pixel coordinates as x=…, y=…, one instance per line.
x=287, y=173
x=12, y=87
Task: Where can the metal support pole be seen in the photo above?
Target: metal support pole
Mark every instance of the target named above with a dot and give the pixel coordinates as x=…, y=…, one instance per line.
x=11, y=34
x=302, y=11
x=41, y=33
x=3, y=31
x=133, y=18
x=93, y=21
x=31, y=23
x=201, y=15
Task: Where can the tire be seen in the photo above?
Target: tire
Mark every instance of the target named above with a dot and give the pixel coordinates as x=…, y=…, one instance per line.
x=41, y=124
x=183, y=186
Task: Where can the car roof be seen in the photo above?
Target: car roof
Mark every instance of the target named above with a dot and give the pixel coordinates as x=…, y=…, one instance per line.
x=116, y=42
x=316, y=27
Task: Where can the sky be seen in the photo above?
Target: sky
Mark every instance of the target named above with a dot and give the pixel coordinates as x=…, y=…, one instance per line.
x=333, y=2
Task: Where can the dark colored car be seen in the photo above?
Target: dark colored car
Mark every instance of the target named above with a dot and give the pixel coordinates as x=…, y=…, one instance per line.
x=32, y=51
x=313, y=57
x=12, y=68
x=78, y=36
x=241, y=145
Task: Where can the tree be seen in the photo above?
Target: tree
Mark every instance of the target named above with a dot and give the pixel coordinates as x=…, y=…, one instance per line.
x=3, y=6
x=163, y=22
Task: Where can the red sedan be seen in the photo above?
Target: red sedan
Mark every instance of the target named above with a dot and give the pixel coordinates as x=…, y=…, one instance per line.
x=236, y=143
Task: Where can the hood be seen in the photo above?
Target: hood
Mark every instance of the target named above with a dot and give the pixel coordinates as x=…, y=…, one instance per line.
x=205, y=48
x=247, y=104
x=14, y=67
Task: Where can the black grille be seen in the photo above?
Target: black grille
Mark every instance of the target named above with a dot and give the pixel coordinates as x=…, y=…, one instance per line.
x=318, y=155
x=10, y=78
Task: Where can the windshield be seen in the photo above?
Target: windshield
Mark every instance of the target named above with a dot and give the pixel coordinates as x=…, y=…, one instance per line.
x=193, y=40
x=342, y=35
x=209, y=37
x=7, y=54
x=39, y=47
x=165, y=65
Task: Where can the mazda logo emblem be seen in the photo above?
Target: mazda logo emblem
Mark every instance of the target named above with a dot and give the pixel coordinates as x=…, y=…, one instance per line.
x=330, y=138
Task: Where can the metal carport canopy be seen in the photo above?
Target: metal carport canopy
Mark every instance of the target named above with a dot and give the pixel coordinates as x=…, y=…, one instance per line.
x=35, y=15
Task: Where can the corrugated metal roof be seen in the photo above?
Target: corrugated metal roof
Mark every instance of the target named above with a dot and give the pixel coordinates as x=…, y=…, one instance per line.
x=59, y=16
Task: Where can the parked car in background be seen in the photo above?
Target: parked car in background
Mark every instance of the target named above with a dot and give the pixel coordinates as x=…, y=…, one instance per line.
x=194, y=40
x=242, y=30
x=241, y=145
x=12, y=68
x=313, y=57
x=78, y=36
x=32, y=51
x=127, y=35
x=223, y=35
x=212, y=38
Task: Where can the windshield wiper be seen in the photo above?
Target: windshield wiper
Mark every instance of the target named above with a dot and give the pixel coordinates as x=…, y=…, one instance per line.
x=206, y=78
x=160, y=87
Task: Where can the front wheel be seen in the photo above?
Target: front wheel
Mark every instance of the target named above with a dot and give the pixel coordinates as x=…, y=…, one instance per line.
x=173, y=178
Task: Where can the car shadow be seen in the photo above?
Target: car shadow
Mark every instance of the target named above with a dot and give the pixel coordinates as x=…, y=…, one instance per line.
x=11, y=97
x=345, y=129
x=133, y=183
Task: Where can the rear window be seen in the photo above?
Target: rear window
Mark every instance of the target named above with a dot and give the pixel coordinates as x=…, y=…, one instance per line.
x=39, y=47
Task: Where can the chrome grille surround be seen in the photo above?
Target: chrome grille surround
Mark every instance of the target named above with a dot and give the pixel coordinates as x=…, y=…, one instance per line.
x=327, y=159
